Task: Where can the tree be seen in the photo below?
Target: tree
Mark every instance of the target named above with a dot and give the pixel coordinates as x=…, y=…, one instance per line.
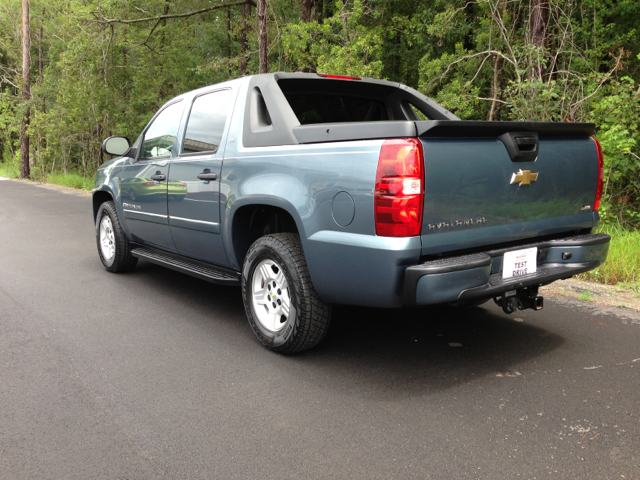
x=263, y=40
x=25, y=171
x=246, y=13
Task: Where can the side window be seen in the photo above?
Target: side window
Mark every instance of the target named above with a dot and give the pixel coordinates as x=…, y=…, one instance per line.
x=417, y=112
x=206, y=122
x=159, y=137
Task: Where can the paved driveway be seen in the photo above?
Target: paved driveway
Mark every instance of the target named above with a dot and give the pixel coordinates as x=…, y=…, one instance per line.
x=155, y=374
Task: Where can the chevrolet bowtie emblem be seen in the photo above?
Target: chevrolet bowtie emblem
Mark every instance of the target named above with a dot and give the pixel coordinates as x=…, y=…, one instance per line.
x=524, y=177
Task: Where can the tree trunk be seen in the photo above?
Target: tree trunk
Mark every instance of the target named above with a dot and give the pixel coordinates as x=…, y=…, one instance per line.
x=495, y=89
x=539, y=25
x=246, y=13
x=262, y=37
x=40, y=57
x=26, y=90
x=100, y=152
x=305, y=16
x=229, y=40
x=305, y=10
x=41, y=62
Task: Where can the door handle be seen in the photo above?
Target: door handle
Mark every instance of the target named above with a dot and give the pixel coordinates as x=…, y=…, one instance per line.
x=208, y=176
x=158, y=177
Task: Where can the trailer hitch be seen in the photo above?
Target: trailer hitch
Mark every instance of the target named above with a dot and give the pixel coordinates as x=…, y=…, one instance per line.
x=521, y=299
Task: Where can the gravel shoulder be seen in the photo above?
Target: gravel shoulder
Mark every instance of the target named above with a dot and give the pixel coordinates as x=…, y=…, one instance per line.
x=593, y=293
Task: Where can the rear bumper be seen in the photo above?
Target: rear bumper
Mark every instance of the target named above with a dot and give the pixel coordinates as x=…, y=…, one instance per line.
x=478, y=276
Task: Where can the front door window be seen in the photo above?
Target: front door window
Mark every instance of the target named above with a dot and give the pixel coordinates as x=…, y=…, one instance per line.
x=160, y=136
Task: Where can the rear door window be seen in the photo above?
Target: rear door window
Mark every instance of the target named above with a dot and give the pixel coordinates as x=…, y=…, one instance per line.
x=206, y=122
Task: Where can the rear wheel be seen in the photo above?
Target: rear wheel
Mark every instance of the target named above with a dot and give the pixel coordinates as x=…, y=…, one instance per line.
x=113, y=246
x=282, y=306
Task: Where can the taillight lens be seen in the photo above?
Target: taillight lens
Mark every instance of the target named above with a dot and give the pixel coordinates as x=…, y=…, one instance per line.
x=399, y=194
x=596, y=203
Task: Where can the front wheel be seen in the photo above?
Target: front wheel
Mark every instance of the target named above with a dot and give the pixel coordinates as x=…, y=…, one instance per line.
x=282, y=305
x=113, y=246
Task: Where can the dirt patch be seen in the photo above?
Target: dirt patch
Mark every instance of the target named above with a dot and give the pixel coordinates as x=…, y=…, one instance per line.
x=593, y=293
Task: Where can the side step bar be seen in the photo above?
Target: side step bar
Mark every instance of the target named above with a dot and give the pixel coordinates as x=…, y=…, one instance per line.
x=207, y=272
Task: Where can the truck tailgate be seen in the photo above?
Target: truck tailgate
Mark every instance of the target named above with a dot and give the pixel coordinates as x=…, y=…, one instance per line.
x=479, y=192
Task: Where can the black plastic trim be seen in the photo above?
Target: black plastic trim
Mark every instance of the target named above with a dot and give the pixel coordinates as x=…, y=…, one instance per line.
x=543, y=276
x=336, y=132
x=515, y=141
x=452, y=264
x=464, y=128
x=264, y=94
x=575, y=241
x=269, y=120
x=180, y=263
x=545, y=273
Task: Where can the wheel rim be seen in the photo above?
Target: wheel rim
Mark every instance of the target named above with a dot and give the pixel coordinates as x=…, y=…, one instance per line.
x=107, y=238
x=270, y=295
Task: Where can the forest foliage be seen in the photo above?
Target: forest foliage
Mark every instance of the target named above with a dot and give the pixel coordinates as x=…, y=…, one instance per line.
x=98, y=68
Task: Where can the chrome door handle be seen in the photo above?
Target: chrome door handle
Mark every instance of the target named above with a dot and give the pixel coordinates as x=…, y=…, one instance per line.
x=207, y=176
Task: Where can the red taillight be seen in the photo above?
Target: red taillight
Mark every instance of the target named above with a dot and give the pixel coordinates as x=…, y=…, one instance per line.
x=339, y=77
x=399, y=193
x=147, y=184
x=596, y=203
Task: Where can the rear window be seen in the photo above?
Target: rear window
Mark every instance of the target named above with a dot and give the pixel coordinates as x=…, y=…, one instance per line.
x=326, y=108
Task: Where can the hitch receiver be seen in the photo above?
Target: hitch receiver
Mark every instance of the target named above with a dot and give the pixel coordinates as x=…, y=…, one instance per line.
x=520, y=299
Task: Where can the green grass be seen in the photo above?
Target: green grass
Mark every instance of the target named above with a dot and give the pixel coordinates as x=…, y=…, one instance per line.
x=9, y=170
x=623, y=263
x=71, y=180
x=586, y=296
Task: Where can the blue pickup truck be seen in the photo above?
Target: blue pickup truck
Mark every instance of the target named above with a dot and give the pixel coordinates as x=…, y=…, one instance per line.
x=312, y=190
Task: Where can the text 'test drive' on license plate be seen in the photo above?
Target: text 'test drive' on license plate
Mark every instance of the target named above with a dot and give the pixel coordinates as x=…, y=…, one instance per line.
x=519, y=262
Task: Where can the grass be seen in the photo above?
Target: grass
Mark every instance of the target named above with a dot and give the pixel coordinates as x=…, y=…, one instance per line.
x=9, y=170
x=623, y=263
x=586, y=296
x=71, y=180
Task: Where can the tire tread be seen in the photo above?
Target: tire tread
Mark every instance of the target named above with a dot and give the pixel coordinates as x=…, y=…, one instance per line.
x=124, y=261
x=314, y=314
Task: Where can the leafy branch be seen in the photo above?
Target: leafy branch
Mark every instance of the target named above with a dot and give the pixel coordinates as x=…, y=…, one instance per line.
x=107, y=21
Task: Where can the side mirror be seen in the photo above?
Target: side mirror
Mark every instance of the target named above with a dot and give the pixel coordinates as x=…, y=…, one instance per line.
x=116, y=146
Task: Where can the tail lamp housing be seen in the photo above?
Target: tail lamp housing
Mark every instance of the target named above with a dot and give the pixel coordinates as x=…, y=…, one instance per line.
x=399, y=192
x=596, y=203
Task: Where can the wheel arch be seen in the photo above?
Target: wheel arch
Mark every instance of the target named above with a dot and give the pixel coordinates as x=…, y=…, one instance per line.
x=256, y=217
x=99, y=197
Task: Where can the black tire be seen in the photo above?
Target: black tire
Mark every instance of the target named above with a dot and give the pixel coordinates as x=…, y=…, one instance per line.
x=121, y=260
x=308, y=316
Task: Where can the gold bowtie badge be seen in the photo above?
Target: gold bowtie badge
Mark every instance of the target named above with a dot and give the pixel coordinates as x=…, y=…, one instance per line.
x=524, y=177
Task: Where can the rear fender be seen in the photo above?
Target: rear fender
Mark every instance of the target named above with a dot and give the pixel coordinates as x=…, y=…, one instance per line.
x=255, y=200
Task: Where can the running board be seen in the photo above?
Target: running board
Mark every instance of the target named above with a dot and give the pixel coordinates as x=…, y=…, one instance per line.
x=210, y=273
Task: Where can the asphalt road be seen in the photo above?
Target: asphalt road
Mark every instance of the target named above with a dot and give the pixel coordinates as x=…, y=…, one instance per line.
x=155, y=374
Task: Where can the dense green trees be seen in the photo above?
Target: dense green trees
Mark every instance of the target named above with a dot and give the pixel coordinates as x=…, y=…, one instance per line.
x=100, y=67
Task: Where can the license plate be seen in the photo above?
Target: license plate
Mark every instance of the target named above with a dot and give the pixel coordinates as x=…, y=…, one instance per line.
x=519, y=262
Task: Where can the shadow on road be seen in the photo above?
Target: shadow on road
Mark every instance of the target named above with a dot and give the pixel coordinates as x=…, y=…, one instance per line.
x=380, y=352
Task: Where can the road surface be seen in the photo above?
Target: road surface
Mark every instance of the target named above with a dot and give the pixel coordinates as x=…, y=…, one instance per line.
x=155, y=374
